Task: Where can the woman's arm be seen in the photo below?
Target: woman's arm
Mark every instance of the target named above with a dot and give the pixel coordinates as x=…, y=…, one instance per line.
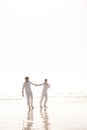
x=40, y=84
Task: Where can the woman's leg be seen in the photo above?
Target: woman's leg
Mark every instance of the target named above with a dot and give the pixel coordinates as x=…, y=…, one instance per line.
x=46, y=98
x=41, y=99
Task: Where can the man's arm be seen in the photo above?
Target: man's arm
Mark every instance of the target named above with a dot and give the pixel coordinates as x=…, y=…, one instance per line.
x=48, y=85
x=23, y=91
x=33, y=84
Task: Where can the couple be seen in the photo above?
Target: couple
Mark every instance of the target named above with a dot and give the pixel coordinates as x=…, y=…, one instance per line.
x=27, y=86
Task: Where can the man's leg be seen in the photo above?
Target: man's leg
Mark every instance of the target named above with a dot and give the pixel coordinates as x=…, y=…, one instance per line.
x=28, y=101
x=32, y=101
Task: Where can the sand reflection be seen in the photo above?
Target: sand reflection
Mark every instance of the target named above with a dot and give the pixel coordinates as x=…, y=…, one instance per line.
x=44, y=116
x=27, y=125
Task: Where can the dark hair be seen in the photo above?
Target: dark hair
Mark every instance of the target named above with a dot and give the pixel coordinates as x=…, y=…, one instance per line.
x=26, y=78
x=45, y=80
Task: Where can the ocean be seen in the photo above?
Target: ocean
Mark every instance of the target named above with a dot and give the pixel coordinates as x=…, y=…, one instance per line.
x=64, y=112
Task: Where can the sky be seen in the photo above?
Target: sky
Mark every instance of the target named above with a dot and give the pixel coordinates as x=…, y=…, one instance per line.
x=43, y=39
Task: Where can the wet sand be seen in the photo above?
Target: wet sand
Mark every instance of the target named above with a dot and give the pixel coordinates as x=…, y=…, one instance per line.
x=61, y=114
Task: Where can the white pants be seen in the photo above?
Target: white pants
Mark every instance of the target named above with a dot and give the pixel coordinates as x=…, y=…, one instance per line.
x=29, y=97
x=45, y=97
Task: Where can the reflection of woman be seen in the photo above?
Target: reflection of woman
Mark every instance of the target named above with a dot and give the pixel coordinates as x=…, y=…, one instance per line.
x=44, y=92
x=44, y=116
x=29, y=122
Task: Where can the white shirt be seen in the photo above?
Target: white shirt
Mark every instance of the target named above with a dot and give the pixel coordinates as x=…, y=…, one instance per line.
x=45, y=87
x=27, y=87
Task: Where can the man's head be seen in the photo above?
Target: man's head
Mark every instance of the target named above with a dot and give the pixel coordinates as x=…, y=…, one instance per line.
x=26, y=79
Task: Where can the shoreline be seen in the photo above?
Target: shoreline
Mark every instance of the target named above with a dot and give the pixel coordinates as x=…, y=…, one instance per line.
x=60, y=115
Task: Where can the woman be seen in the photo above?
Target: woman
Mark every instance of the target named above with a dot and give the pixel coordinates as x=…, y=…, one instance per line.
x=44, y=93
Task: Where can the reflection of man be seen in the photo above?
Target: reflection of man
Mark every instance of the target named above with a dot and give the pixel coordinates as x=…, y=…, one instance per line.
x=44, y=116
x=29, y=121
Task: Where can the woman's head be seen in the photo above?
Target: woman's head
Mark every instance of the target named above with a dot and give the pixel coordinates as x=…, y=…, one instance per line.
x=45, y=80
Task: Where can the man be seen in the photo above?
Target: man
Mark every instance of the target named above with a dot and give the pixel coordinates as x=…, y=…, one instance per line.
x=27, y=86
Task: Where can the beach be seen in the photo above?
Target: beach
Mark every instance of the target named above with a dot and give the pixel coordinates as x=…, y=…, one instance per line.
x=61, y=114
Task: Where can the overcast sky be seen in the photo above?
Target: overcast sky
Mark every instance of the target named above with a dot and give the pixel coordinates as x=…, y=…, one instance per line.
x=43, y=39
